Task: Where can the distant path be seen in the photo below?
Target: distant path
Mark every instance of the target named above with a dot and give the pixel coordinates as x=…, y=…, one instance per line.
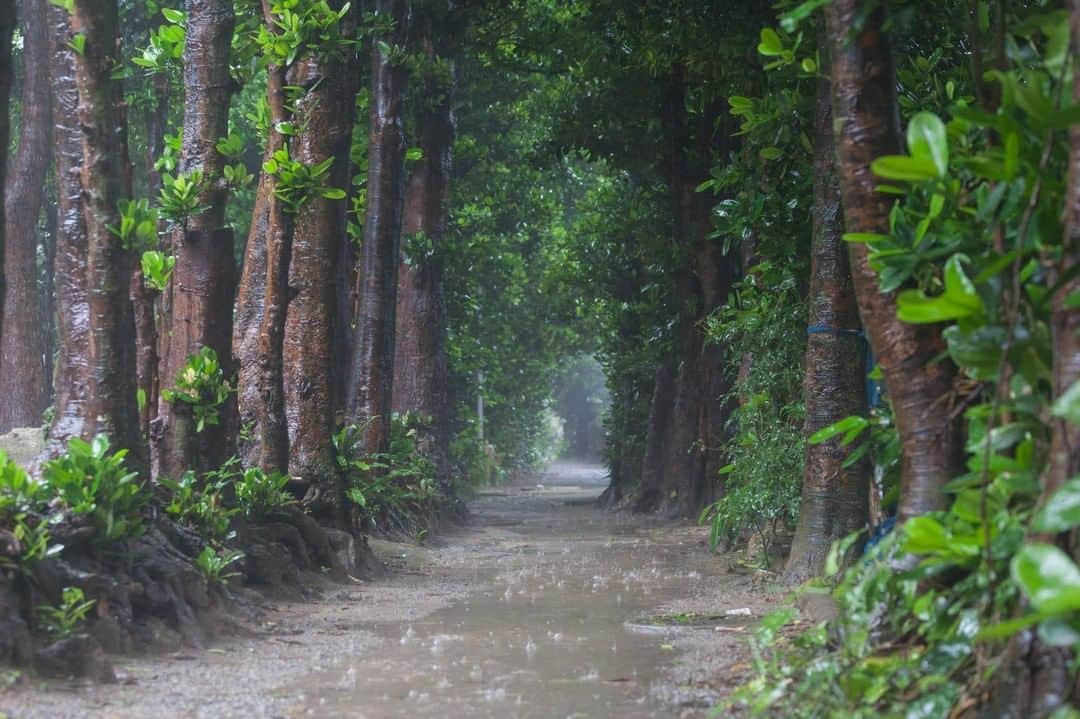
x=524, y=613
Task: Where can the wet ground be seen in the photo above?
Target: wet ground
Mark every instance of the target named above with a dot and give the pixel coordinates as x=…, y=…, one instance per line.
x=544, y=606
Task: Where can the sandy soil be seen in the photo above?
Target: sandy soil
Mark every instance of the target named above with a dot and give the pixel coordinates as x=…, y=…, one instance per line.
x=543, y=606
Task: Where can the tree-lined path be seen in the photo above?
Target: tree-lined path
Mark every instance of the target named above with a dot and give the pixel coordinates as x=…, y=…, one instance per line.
x=287, y=286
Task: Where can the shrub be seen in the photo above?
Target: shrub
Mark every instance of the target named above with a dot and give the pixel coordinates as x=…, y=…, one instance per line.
x=213, y=565
x=200, y=504
x=61, y=622
x=92, y=482
x=261, y=495
x=394, y=484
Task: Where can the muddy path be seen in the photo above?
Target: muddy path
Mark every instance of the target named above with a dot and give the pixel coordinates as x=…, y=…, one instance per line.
x=544, y=606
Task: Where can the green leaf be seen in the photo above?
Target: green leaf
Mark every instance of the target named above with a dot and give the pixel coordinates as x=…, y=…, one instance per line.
x=927, y=141
x=1049, y=578
x=925, y=535
x=1067, y=406
x=770, y=44
x=904, y=169
x=868, y=238
x=1062, y=510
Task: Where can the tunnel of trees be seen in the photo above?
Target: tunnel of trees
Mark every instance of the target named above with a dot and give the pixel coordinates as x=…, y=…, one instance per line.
x=259, y=260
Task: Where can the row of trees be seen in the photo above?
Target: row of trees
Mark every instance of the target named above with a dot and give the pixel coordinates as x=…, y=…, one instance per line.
x=145, y=261
x=715, y=197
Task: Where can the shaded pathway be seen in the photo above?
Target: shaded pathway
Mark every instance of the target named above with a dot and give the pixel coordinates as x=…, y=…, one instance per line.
x=531, y=611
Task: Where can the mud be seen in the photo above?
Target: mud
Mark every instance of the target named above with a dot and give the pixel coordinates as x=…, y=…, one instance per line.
x=544, y=606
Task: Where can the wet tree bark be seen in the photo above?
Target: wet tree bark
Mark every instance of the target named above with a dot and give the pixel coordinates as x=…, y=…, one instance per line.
x=24, y=344
x=71, y=375
x=420, y=361
x=7, y=27
x=1034, y=679
x=318, y=230
x=250, y=306
x=111, y=404
x=372, y=376
x=202, y=283
x=263, y=301
x=683, y=479
x=647, y=496
x=918, y=384
x=835, y=499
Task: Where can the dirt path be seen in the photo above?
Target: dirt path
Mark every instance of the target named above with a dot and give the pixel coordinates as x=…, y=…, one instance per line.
x=544, y=606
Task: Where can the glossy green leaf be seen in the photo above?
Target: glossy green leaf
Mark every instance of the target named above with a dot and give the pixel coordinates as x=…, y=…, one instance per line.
x=1062, y=511
x=1048, y=577
x=927, y=141
x=904, y=169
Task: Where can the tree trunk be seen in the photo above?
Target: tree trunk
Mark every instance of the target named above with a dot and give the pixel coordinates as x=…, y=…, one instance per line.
x=835, y=499
x=251, y=300
x=647, y=495
x=202, y=283
x=71, y=375
x=111, y=406
x=318, y=229
x=7, y=27
x=918, y=383
x=24, y=382
x=263, y=300
x=373, y=358
x=420, y=360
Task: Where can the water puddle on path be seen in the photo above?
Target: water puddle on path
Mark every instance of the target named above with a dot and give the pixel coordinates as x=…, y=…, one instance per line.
x=549, y=631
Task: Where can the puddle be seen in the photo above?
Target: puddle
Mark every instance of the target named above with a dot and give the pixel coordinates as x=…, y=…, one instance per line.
x=552, y=634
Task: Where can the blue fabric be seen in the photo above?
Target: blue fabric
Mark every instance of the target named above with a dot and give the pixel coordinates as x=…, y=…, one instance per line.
x=879, y=532
x=873, y=389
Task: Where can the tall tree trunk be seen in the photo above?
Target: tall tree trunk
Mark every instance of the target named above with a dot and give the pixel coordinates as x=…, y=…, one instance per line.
x=420, y=360
x=373, y=357
x=71, y=376
x=658, y=427
x=318, y=229
x=263, y=300
x=249, y=316
x=24, y=383
x=918, y=383
x=1034, y=679
x=202, y=283
x=7, y=27
x=111, y=404
x=835, y=499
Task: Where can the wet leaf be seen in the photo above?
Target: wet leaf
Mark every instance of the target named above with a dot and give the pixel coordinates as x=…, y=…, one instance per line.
x=1062, y=512
x=1049, y=578
x=927, y=141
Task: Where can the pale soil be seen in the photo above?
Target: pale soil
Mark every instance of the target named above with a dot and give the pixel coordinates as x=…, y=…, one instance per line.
x=541, y=607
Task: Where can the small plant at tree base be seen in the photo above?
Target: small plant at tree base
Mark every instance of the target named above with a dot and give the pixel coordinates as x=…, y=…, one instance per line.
x=261, y=495
x=200, y=504
x=61, y=622
x=92, y=482
x=214, y=565
x=391, y=485
x=201, y=384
